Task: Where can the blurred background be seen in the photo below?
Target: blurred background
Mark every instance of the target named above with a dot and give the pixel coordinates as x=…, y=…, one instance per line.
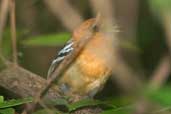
x=40, y=31
x=44, y=26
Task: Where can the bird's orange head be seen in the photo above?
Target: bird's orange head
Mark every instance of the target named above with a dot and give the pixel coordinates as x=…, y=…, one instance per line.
x=83, y=28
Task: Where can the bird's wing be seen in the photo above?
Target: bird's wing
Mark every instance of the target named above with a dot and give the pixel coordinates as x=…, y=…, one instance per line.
x=60, y=57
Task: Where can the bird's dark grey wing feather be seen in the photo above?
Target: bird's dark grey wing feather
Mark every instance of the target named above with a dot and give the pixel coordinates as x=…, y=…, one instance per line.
x=60, y=57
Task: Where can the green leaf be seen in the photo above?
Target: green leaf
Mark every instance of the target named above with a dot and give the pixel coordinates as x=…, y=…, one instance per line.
x=161, y=96
x=109, y=111
x=48, y=40
x=84, y=103
x=59, y=101
x=1, y=99
x=7, y=111
x=127, y=109
x=119, y=101
x=114, y=111
x=15, y=102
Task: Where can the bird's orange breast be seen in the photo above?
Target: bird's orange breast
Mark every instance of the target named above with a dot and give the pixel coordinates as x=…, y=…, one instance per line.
x=93, y=61
x=92, y=66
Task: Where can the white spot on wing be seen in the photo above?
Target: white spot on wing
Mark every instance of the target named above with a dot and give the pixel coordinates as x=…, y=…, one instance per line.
x=61, y=55
x=57, y=60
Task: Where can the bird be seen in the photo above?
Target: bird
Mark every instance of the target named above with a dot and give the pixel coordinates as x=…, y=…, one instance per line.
x=87, y=75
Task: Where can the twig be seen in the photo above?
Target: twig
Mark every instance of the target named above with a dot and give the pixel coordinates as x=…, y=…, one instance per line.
x=161, y=73
x=3, y=17
x=161, y=110
x=71, y=18
x=24, y=83
x=123, y=74
x=13, y=31
x=159, y=76
x=107, y=10
x=166, y=17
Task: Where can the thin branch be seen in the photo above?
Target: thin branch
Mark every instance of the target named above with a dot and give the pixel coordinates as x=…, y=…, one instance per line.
x=159, y=76
x=161, y=73
x=123, y=74
x=105, y=8
x=13, y=31
x=24, y=83
x=163, y=70
x=166, y=17
x=3, y=17
x=63, y=10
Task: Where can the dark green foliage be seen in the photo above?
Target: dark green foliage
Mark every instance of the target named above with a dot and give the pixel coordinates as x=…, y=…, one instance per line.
x=14, y=102
x=113, y=111
x=5, y=106
x=85, y=103
x=7, y=111
x=161, y=96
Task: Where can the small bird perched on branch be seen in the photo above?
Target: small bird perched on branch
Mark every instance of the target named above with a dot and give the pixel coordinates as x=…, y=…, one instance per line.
x=89, y=72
